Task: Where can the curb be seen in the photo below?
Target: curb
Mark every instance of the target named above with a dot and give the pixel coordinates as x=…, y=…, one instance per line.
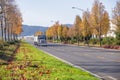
x=93, y=47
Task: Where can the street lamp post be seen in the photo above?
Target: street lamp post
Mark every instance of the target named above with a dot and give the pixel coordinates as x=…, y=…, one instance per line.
x=78, y=9
x=86, y=40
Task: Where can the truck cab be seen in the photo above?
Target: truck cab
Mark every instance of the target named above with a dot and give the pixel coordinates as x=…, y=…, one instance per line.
x=40, y=40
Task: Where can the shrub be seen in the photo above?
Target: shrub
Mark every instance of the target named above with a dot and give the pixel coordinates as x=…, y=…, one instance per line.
x=111, y=46
x=108, y=41
x=119, y=48
x=73, y=41
x=1, y=44
x=106, y=46
x=94, y=41
x=65, y=42
x=116, y=47
x=117, y=38
x=5, y=43
x=11, y=42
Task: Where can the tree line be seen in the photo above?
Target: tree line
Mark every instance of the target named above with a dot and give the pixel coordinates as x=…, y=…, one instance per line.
x=92, y=24
x=10, y=20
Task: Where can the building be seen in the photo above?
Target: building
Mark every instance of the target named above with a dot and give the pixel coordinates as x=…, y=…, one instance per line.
x=111, y=32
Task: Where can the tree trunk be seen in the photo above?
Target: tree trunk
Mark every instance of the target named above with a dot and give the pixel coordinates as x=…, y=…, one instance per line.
x=2, y=31
x=11, y=32
x=5, y=34
x=78, y=41
x=100, y=35
x=13, y=36
x=8, y=32
x=16, y=37
x=5, y=29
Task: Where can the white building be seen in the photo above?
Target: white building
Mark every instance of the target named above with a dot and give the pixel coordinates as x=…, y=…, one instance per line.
x=111, y=32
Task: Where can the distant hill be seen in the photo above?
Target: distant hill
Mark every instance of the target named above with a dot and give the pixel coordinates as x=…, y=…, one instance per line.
x=30, y=30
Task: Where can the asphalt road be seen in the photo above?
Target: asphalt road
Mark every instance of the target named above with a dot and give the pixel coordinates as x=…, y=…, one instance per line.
x=105, y=63
x=102, y=62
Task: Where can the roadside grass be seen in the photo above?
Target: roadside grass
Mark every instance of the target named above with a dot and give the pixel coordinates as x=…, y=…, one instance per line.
x=6, y=52
x=32, y=64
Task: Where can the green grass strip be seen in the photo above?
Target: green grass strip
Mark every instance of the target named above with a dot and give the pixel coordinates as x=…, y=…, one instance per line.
x=32, y=64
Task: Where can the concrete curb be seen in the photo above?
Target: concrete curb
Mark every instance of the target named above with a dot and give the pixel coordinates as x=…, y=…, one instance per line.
x=88, y=46
x=93, y=47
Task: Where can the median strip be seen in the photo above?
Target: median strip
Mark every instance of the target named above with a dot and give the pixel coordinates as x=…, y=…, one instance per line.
x=33, y=64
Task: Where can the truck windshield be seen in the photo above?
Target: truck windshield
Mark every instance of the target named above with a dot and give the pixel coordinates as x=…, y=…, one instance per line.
x=41, y=37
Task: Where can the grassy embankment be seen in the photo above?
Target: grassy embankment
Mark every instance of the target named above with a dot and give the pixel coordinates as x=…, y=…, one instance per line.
x=32, y=64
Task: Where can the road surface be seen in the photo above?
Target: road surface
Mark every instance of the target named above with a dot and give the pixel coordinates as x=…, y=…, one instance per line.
x=103, y=62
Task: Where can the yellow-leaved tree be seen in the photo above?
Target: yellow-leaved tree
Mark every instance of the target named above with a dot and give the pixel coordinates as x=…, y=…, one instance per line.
x=98, y=15
x=11, y=20
x=38, y=33
x=86, y=28
x=78, y=28
x=59, y=31
x=116, y=21
x=64, y=32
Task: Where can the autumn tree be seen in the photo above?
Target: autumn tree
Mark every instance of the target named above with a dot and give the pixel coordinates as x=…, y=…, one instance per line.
x=98, y=15
x=5, y=17
x=78, y=28
x=2, y=4
x=14, y=25
x=71, y=32
x=49, y=33
x=38, y=33
x=116, y=20
x=64, y=32
x=11, y=19
x=105, y=23
x=86, y=28
x=55, y=30
x=59, y=30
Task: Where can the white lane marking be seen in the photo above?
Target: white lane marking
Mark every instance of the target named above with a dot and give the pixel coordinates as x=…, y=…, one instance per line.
x=86, y=55
x=101, y=57
x=112, y=78
x=111, y=53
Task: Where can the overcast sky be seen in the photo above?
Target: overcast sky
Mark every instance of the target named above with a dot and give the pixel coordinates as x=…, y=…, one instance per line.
x=42, y=12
